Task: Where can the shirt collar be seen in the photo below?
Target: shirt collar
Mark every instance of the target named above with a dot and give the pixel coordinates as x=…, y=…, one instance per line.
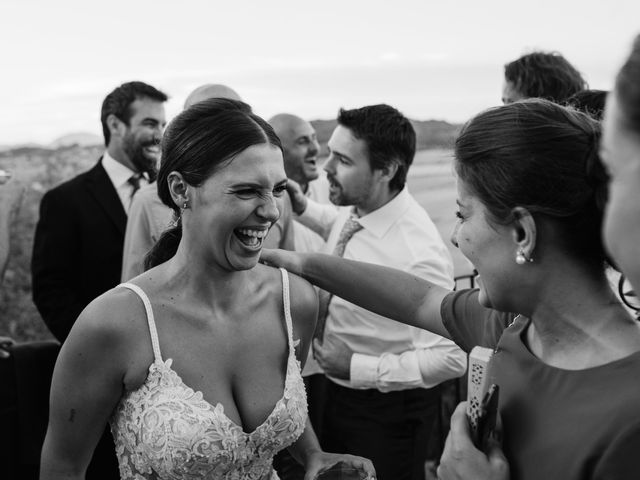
x=381, y=220
x=117, y=172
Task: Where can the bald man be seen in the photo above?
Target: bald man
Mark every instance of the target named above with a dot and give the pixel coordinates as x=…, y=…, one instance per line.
x=211, y=90
x=148, y=217
x=301, y=150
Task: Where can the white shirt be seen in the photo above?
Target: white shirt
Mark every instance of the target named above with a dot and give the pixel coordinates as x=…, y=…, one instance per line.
x=306, y=240
x=119, y=176
x=148, y=218
x=389, y=355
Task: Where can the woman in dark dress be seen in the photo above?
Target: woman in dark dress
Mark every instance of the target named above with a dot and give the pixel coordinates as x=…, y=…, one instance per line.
x=531, y=193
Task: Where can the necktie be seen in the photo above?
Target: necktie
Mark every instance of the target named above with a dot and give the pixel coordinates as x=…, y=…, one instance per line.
x=134, y=181
x=350, y=227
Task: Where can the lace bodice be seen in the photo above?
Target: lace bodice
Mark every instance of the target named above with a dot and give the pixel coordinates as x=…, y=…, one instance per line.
x=165, y=430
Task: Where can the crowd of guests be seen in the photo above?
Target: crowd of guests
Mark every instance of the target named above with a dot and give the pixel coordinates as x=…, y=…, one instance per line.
x=177, y=275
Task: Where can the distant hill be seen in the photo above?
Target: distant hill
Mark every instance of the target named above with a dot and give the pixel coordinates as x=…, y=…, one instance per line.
x=435, y=134
x=5, y=148
x=429, y=133
x=82, y=139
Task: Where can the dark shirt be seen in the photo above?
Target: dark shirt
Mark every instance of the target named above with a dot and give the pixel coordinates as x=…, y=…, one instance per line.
x=558, y=424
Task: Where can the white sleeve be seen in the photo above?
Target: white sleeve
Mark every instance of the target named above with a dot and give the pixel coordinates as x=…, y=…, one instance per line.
x=319, y=217
x=424, y=367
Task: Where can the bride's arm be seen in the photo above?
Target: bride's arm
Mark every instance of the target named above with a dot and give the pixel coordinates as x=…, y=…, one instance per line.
x=382, y=290
x=86, y=386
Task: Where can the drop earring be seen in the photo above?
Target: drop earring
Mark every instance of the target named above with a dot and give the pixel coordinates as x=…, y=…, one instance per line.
x=521, y=259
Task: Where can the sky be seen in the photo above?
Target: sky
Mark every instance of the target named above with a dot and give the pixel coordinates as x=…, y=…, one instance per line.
x=430, y=59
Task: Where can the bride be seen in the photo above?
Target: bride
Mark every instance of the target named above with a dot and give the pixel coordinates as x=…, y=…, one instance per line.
x=196, y=363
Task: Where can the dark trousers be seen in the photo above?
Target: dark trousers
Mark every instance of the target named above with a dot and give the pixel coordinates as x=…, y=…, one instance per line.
x=315, y=385
x=391, y=429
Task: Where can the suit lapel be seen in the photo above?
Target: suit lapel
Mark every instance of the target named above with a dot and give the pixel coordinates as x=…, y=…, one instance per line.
x=100, y=186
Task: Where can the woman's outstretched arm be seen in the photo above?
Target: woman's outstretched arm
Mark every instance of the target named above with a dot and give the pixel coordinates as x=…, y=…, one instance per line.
x=386, y=291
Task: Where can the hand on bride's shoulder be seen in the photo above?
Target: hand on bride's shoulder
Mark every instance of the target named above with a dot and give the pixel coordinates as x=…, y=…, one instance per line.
x=290, y=261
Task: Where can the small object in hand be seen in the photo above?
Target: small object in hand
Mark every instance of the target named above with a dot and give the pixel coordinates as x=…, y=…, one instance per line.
x=482, y=396
x=340, y=471
x=5, y=176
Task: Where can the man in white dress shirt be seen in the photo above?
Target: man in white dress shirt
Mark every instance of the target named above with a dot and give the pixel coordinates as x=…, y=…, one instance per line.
x=382, y=398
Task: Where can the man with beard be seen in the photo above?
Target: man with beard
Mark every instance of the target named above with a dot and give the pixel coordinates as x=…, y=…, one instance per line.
x=77, y=252
x=382, y=396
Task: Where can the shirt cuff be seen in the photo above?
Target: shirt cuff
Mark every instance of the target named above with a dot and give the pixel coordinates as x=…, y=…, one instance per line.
x=364, y=371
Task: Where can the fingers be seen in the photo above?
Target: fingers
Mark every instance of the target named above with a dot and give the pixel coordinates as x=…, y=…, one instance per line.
x=273, y=257
x=369, y=469
x=460, y=432
x=458, y=442
x=267, y=256
x=365, y=466
x=328, y=461
x=297, y=196
x=498, y=461
x=319, y=353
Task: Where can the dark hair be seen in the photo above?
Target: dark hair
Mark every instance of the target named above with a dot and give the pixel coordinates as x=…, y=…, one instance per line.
x=389, y=136
x=543, y=157
x=119, y=102
x=628, y=89
x=545, y=75
x=200, y=141
x=589, y=101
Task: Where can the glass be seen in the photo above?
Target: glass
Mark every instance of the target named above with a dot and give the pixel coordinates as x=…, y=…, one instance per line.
x=341, y=472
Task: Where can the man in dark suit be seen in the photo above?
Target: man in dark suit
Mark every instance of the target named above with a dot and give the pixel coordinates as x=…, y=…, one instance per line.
x=77, y=252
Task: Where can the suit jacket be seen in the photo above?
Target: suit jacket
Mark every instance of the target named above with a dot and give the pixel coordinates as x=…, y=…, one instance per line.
x=77, y=250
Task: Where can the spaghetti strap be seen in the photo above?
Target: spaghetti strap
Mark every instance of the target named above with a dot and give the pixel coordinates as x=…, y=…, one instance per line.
x=287, y=308
x=152, y=324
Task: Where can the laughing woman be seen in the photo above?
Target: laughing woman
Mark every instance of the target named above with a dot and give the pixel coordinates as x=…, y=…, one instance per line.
x=531, y=191
x=195, y=363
